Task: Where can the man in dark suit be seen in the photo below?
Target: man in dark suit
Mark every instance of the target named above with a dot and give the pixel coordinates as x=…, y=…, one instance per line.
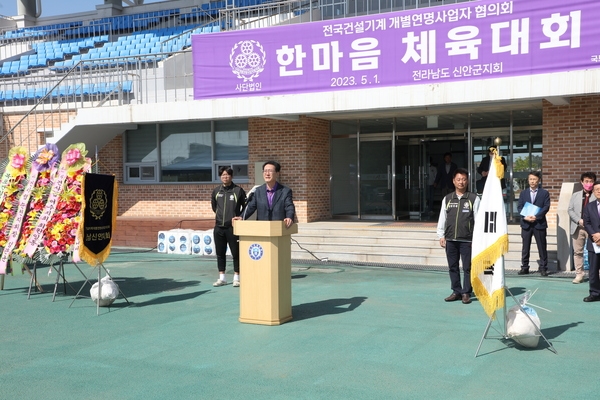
x=484, y=169
x=534, y=225
x=445, y=175
x=272, y=201
x=591, y=223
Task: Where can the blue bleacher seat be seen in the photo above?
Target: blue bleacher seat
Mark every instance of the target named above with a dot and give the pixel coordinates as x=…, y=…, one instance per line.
x=87, y=89
x=14, y=69
x=40, y=92
x=68, y=64
x=127, y=86
x=30, y=94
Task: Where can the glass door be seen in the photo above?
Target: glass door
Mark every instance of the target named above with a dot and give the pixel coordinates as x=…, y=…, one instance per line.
x=411, y=178
x=376, y=178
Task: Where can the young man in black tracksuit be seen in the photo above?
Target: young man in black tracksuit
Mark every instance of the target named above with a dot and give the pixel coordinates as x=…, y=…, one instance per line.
x=227, y=201
x=455, y=231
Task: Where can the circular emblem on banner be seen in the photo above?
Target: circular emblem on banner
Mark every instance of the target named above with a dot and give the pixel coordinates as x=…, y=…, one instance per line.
x=98, y=203
x=247, y=59
x=255, y=251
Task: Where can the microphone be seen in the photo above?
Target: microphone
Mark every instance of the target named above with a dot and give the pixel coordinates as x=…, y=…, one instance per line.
x=250, y=194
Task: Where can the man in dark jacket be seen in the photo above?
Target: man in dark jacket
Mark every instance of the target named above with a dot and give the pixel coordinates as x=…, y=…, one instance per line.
x=484, y=169
x=227, y=202
x=455, y=231
x=534, y=225
x=445, y=175
x=272, y=201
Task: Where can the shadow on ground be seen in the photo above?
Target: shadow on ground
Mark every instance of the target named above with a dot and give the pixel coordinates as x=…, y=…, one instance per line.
x=325, y=307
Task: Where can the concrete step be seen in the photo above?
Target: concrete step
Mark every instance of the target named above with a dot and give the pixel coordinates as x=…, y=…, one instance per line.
x=391, y=243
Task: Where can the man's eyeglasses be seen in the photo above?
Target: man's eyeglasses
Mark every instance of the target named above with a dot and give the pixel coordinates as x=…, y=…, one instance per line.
x=268, y=171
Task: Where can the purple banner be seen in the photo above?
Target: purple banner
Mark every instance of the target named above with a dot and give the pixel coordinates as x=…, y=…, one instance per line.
x=475, y=40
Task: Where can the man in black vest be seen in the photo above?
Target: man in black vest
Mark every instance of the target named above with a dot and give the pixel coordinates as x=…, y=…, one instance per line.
x=455, y=231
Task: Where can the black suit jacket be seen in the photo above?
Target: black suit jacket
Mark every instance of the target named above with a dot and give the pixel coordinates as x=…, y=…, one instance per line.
x=444, y=179
x=542, y=200
x=591, y=222
x=282, y=207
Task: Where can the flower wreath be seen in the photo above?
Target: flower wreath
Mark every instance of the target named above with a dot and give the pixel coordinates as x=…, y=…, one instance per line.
x=61, y=230
x=45, y=162
x=11, y=185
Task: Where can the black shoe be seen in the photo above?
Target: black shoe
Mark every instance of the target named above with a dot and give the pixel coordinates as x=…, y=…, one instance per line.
x=591, y=298
x=543, y=272
x=453, y=297
x=524, y=271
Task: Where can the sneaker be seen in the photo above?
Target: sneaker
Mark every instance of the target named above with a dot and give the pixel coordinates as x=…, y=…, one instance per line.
x=236, y=283
x=219, y=283
x=578, y=279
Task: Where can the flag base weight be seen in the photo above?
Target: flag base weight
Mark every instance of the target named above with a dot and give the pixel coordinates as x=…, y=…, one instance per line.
x=101, y=268
x=504, y=334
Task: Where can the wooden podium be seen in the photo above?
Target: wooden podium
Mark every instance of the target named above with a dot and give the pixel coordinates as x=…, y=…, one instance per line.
x=266, y=271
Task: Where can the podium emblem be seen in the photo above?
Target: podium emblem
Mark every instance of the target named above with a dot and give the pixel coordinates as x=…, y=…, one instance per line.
x=255, y=251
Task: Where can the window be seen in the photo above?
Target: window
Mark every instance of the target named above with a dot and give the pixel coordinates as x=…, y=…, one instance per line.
x=231, y=148
x=186, y=152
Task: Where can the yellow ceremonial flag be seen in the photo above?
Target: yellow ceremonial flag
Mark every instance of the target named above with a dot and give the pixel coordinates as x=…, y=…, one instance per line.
x=490, y=242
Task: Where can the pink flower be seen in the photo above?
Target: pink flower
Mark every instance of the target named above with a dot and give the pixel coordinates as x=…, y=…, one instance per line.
x=73, y=156
x=18, y=161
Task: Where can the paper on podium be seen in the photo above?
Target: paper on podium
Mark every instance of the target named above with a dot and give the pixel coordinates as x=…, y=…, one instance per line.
x=530, y=209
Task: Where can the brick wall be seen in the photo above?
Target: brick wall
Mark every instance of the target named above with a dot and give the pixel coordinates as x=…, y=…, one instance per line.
x=143, y=231
x=570, y=144
x=30, y=132
x=302, y=149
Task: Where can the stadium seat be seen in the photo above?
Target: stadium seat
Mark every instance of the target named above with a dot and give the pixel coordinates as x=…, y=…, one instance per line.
x=127, y=86
x=40, y=92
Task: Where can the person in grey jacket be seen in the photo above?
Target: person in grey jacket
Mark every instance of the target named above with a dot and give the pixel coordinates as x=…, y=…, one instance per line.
x=577, y=203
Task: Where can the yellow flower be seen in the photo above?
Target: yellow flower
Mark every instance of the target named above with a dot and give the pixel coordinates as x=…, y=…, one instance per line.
x=37, y=193
x=56, y=230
